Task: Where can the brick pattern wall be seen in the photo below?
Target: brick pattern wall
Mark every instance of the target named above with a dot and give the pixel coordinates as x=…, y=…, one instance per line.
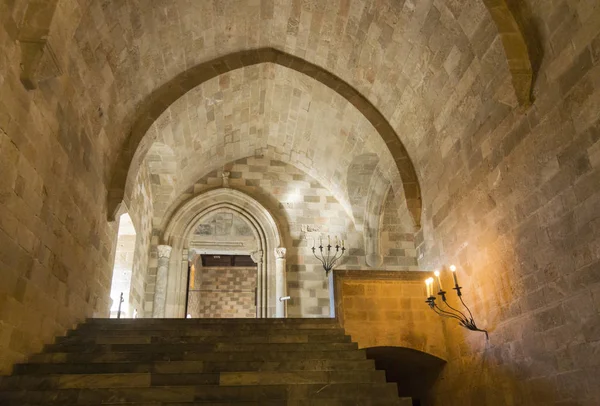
x=222, y=293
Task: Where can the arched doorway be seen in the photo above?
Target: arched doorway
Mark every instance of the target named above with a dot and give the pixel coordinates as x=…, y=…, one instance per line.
x=223, y=277
x=122, y=270
x=179, y=236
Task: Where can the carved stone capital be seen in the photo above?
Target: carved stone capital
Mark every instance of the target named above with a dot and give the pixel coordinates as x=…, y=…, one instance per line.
x=257, y=256
x=280, y=252
x=164, y=251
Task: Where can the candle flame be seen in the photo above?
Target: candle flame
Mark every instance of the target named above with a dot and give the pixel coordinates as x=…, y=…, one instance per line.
x=453, y=268
x=436, y=273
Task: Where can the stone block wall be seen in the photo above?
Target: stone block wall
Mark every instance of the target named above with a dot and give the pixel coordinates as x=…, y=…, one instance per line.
x=513, y=200
x=222, y=293
x=141, y=213
x=306, y=211
x=381, y=309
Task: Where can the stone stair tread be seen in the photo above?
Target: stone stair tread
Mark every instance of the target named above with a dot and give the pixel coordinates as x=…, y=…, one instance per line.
x=166, y=320
x=203, y=347
x=202, y=332
x=194, y=366
x=157, y=339
x=263, y=402
x=122, y=380
x=73, y=357
x=206, y=393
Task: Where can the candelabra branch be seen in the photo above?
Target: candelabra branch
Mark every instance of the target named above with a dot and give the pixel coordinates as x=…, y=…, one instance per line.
x=465, y=321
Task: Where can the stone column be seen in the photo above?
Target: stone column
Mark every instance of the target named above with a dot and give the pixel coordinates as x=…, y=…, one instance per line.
x=257, y=257
x=280, y=285
x=162, y=273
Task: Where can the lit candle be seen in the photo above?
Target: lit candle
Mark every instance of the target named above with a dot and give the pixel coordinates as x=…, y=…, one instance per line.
x=427, y=288
x=430, y=286
x=439, y=281
x=453, y=269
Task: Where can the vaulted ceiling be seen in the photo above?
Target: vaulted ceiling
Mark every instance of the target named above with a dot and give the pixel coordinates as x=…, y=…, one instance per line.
x=415, y=75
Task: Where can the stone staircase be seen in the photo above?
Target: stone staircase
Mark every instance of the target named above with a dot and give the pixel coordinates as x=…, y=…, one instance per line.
x=268, y=362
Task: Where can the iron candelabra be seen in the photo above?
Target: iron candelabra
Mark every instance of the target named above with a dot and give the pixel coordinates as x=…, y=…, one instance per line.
x=465, y=321
x=326, y=256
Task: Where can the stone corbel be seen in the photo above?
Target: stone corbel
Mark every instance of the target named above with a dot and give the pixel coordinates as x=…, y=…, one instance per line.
x=38, y=62
x=38, y=57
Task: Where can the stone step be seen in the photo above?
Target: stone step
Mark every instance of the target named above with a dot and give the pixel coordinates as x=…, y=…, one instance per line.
x=159, y=339
x=168, y=324
x=182, y=355
x=177, y=367
x=223, y=327
x=205, y=393
x=143, y=380
x=212, y=321
x=385, y=401
x=203, y=332
x=200, y=348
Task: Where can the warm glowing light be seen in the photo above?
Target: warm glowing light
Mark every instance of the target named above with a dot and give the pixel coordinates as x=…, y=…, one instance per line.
x=453, y=268
x=439, y=281
x=428, y=283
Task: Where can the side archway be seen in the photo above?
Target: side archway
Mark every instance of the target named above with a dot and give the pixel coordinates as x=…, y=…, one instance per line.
x=271, y=269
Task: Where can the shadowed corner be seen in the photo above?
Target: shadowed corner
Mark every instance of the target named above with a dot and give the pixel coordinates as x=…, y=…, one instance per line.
x=414, y=372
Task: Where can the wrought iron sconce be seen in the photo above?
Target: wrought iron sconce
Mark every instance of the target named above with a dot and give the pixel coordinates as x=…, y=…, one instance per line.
x=451, y=313
x=326, y=256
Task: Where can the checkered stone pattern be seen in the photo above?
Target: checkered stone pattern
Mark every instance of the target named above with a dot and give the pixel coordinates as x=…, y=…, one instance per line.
x=223, y=293
x=305, y=211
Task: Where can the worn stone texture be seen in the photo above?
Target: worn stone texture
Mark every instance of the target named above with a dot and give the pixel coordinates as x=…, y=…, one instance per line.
x=385, y=309
x=511, y=196
x=306, y=211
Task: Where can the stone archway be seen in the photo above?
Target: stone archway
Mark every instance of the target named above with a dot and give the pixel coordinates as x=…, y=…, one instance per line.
x=171, y=279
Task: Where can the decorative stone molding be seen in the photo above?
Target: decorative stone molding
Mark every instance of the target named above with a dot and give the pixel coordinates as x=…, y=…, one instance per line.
x=164, y=251
x=182, y=224
x=257, y=256
x=280, y=252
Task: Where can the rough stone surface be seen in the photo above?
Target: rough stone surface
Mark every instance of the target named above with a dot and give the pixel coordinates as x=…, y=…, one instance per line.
x=510, y=195
x=221, y=361
x=306, y=211
x=386, y=309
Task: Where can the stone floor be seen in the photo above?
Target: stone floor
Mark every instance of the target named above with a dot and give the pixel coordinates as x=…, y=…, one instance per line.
x=201, y=362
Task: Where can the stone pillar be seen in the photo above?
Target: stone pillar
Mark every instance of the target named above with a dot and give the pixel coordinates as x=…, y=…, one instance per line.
x=257, y=257
x=162, y=273
x=280, y=282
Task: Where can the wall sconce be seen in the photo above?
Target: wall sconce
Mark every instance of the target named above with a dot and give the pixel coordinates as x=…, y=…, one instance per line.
x=451, y=313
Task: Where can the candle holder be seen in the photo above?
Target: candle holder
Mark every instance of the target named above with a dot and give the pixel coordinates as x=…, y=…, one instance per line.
x=465, y=321
x=326, y=256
